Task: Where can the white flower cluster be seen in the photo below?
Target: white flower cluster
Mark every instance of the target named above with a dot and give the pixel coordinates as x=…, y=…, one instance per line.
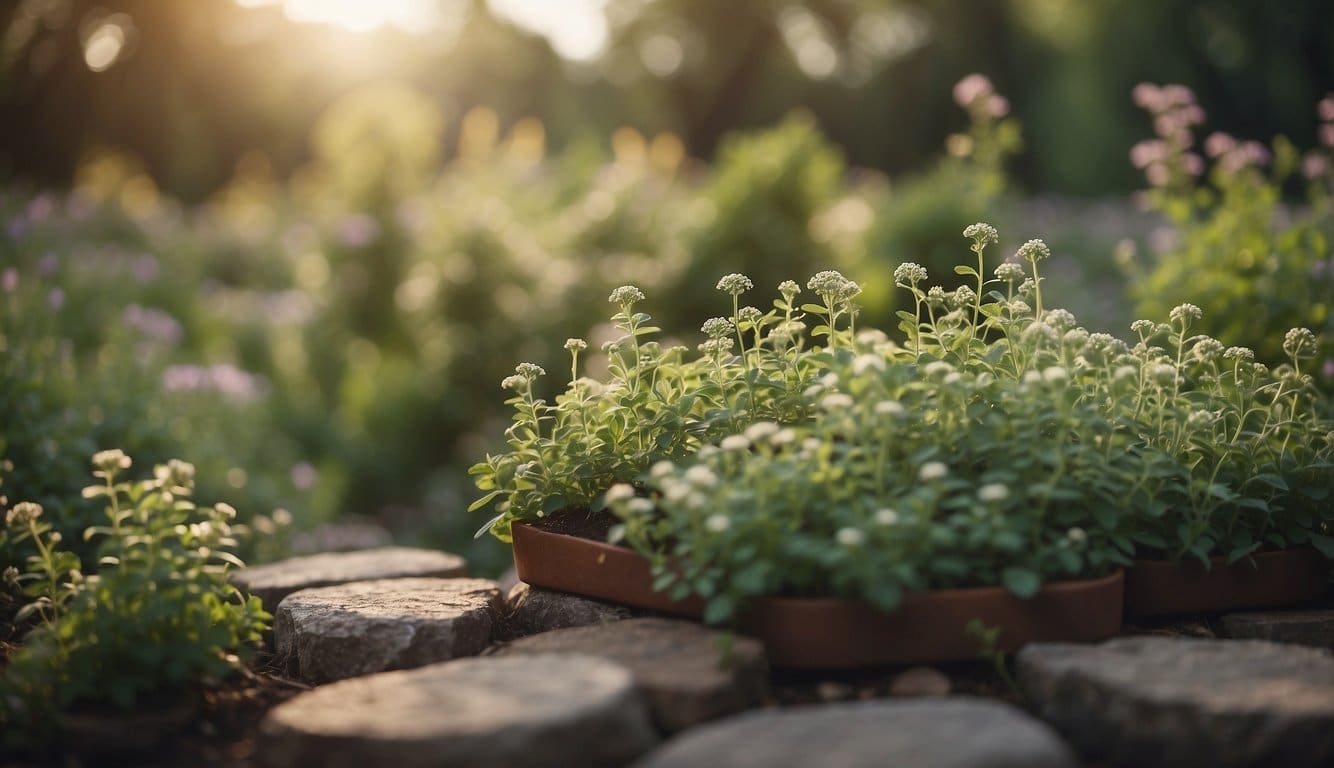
x=735, y=284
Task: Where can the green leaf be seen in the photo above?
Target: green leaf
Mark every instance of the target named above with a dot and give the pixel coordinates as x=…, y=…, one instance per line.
x=1021, y=582
x=488, y=525
x=482, y=502
x=963, y=269
x=719, y=609
x=1323, y=543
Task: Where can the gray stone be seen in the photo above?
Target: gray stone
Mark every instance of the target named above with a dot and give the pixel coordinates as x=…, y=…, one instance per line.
x=341, y=537
x=956, y=732
x=485, y=712
x=1159, y=701
x=679, y=666
x=331, y=633
x=1313, y=628
x=272, y=582
x=532, y=610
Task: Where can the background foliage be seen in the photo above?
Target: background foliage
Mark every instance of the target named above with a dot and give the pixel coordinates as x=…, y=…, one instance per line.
x=305, y=258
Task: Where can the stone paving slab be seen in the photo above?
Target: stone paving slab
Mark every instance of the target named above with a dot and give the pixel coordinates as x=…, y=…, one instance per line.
x=1185, y=703
x=274, y=581
x=951, y=732
x=332, y=633
x=1314, y=628
x=519, y=712
x=533, y=610
x=678, y=665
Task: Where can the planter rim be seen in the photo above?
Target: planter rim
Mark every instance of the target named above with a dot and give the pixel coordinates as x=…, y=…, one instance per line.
x=834, y=632
x=1064, y=585
x=1261, y=580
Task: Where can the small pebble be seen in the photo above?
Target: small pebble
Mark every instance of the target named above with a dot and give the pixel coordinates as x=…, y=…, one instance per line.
x=920, y=681
x=832, y=691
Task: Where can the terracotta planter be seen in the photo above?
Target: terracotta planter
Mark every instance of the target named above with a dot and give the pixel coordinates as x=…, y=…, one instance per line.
x=1267, y=579
x=838, y=633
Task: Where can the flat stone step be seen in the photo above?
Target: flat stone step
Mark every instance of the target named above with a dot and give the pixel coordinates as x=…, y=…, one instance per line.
x=953, y=732
x=532, y=610
x=679, y=666
x=274, y=581
x=332, y=633
x=1160, y=701
x=516, y=712
x=1313, y=628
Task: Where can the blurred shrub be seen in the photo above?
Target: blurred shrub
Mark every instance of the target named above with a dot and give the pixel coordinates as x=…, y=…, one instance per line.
x=764, y=194
x=922, y=216
x=1256, y=266
x=98, y=311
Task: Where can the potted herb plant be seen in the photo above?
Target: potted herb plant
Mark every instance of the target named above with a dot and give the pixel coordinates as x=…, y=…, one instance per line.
x=1000, y=464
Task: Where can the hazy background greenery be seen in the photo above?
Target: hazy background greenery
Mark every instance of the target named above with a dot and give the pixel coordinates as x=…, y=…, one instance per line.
x=303, y=256
x=200, y=83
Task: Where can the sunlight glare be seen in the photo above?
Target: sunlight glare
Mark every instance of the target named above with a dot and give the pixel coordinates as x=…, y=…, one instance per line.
x=576, y=29
x=359, y=15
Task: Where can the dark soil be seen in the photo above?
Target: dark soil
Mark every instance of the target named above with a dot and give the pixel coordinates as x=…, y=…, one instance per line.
x=223, y=733
x=579, y=522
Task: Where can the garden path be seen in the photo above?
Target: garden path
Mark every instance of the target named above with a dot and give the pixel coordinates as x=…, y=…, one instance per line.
x=564, y=680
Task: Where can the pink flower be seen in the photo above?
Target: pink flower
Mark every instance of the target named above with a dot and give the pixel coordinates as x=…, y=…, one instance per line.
x=304, y=476
x=972, y=88
x=1218, y=144
x=1167, y=125
x=1327, y=134
x=1176, y=95
x=1157, y=175
x=1194, y=163
x=1314, y=165
x=1326, y=108
x=9, y=280
x=1147, y=152
x=1256, y=153
x=998, y=106
x=1147, y=96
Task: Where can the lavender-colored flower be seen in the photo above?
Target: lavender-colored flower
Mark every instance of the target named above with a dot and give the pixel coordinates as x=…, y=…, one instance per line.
x=232, y=383
x=1218, y=144
x=304, y=476
x=144, y=269
x=1147, y=152
x=358, y=230
x=153, y=323
x=48, y=264
x=1325, y=108
x=1314, y=165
